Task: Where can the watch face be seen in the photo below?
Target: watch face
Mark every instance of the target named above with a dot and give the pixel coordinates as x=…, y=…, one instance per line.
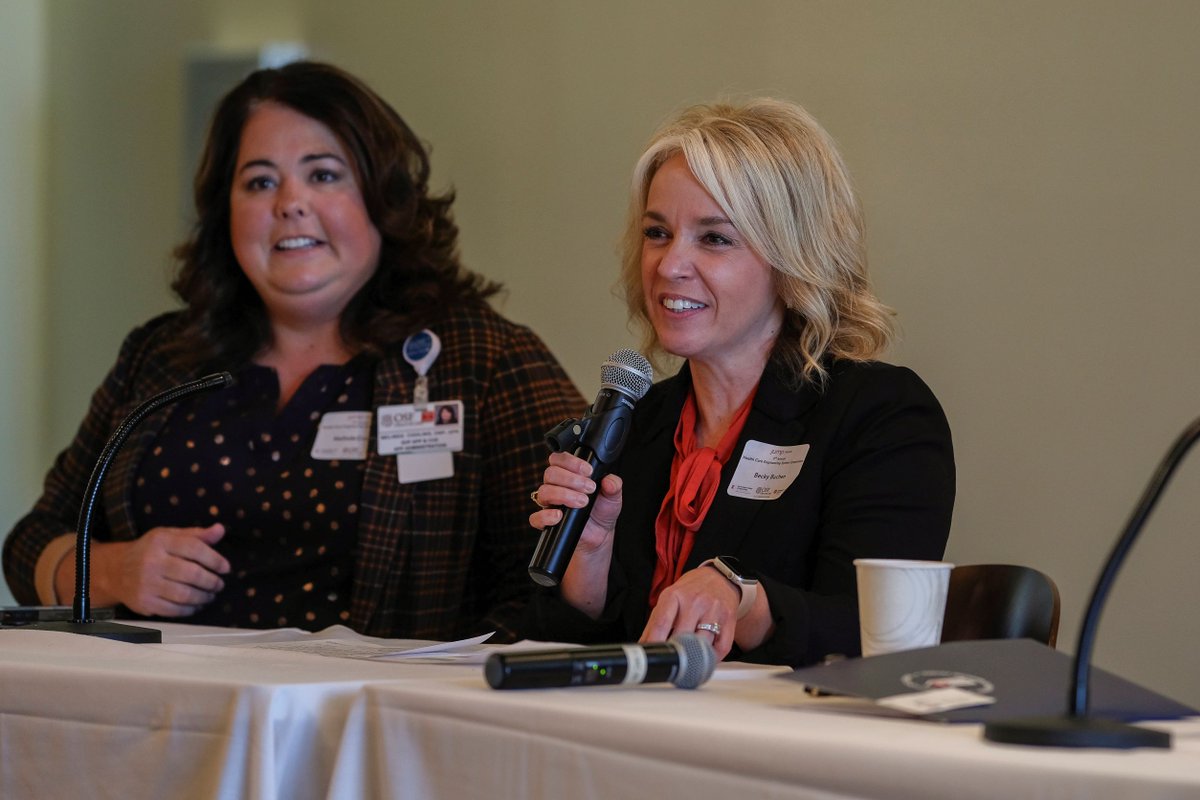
x=737, y=568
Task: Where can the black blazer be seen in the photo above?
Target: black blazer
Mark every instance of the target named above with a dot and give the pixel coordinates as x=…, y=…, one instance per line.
x=877, y=481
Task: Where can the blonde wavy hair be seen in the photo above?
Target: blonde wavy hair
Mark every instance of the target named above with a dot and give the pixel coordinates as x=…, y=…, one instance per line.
x=779, y=178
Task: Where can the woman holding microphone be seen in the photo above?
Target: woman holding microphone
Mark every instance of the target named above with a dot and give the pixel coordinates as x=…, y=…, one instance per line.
x=783, y=449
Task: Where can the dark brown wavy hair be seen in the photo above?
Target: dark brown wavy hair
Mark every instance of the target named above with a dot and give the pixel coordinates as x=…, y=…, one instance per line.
x=419, y=274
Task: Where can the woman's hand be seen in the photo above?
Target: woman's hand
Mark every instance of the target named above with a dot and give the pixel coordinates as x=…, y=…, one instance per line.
x=704, y=596
x=165, y=572
x=701, y=596
x=567, y=482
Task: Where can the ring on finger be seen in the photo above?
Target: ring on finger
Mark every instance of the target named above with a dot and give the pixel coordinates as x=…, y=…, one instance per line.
x=712, y=627
x=534, y=497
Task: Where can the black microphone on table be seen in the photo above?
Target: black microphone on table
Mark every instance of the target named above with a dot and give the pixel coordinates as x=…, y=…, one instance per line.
x=83, y=621
x=598, y=439
x=1076, y=728
x=685, y=660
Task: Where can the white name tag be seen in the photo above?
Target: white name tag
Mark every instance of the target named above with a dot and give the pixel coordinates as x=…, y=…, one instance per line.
x=932, y=701
x=767, y=470
x=420, y=428
x=343, y=435
x=417, y=467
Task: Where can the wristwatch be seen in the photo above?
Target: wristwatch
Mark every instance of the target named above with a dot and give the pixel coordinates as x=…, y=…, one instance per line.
x=741, y=577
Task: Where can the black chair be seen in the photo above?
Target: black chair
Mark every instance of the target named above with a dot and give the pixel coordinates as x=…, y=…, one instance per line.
x=1000, y=601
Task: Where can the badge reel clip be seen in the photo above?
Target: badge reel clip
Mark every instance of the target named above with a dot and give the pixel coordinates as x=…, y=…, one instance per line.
x=421, y=350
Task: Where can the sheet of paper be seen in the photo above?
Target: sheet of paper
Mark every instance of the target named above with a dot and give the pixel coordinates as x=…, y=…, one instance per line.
x=394, y=649
x=337, y=641
x=471, y=651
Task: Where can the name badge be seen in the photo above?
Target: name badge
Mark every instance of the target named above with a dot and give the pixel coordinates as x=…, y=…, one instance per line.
x=420, y=428
x=343, y=435
x=418, y=467
x=767, y=470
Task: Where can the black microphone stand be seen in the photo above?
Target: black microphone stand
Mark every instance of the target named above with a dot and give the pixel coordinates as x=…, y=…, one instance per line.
x=1077, y=728
x=82, y=621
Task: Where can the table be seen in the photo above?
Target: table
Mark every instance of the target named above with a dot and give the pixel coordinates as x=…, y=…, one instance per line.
x=744, y=737
x=190, y=719
x=88, y=717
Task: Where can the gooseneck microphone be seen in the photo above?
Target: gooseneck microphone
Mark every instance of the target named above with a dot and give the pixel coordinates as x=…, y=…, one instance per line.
x=598, y=439
x=1076, y=728
x=685, y=660
x=82, y=622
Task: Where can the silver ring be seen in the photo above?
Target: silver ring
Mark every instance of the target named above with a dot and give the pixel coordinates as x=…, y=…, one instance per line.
x=534, y=497
x=712, y=627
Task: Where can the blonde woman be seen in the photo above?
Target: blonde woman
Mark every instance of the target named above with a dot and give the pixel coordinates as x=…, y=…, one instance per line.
x=782, y=450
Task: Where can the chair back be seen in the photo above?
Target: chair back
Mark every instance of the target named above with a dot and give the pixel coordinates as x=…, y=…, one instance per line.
x=1000, y=601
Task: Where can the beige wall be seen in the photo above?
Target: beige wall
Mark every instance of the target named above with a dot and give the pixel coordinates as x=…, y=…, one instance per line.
x=1029, y=171
x=22, y=258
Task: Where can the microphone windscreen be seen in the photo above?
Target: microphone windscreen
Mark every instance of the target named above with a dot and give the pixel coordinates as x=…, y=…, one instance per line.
x=628, y=371
x=697, y=660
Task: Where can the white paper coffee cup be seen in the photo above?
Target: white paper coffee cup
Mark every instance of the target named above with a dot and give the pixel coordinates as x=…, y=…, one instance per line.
x=900, y=603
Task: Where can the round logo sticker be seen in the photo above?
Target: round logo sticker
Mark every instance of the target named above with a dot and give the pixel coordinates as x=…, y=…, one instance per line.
x=943, y=679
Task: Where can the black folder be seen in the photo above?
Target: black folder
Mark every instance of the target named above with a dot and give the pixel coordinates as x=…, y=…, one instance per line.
x=1025, y=677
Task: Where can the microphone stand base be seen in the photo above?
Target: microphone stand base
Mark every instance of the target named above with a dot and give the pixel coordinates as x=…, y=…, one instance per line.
x=1070, y=731
x=105, y=630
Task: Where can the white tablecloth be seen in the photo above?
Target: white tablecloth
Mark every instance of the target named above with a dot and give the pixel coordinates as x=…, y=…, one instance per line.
x=88, y=717
x=93, y=718
x=732, y=738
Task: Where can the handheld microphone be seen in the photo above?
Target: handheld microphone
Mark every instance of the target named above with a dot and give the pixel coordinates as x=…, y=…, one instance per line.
x=83, y=622
x=685, y=660
x=1077, y=728
x=598, y=439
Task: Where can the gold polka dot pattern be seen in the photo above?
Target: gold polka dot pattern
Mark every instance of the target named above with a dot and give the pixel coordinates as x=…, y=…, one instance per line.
x=291, y=521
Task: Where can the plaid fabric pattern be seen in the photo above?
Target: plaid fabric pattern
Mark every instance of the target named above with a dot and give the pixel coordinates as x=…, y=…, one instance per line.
x=435, y=560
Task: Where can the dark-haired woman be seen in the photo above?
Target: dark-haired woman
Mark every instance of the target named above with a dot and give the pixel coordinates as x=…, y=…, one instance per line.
x=316, y=491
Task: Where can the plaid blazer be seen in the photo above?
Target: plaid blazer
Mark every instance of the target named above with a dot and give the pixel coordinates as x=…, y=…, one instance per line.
x=435, y=560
